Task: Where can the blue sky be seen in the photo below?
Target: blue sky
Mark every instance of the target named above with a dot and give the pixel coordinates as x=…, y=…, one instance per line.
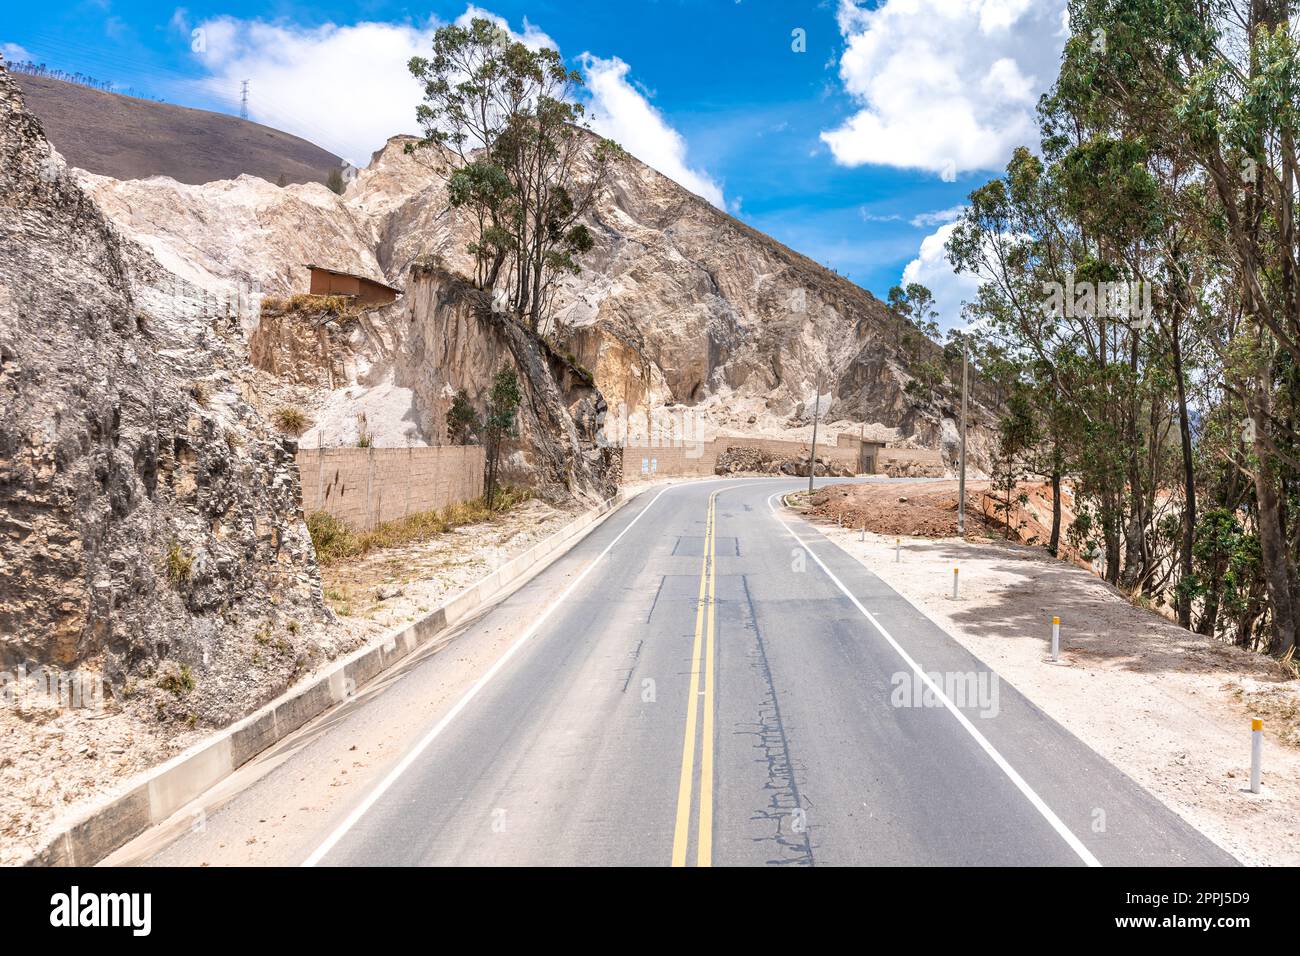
x=853, y=150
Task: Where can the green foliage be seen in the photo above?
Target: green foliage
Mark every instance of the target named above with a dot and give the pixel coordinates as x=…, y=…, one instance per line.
x=334, y=181
x=503, y=404
x=1168, y=157
x=462, y=420
x=506, y=127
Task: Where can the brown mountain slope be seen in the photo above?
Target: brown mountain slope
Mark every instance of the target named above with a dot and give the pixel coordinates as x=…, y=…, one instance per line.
x=129, y=138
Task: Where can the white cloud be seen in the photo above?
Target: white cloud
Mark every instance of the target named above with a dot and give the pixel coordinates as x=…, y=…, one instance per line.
x=345, y=88
x=940, y=217
x=945, y=86
x=931, y=269
x=624, y=114
x=532, y=37
x=13, y=53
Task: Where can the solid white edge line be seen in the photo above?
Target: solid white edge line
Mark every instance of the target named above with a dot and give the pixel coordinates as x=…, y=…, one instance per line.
x=1038, y=802
x=361, y=809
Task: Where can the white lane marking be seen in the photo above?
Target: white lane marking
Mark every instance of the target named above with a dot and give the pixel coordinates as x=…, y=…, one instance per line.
x=470, y=694
x=1038, y=802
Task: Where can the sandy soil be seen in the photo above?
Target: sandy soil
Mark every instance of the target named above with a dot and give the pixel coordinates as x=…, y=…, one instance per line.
x=395, y=586
x=924, y=509
x=53, y=757
x=1169, y=708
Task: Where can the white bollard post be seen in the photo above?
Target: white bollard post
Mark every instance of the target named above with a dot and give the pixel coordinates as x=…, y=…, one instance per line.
x=1256, y=752
x=954, y=584
x=898, y=550
x=862, y=535
x=1056, y=638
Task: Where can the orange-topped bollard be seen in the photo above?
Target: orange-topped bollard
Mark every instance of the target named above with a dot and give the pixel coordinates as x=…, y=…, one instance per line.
x=1256, y=752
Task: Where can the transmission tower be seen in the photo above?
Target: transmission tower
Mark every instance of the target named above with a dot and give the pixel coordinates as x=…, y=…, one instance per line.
x=243, y=101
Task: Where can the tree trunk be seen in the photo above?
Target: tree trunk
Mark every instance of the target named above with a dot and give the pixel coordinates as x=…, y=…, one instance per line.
x=1054, y=542
x=1272, y=544
x=1183, y=598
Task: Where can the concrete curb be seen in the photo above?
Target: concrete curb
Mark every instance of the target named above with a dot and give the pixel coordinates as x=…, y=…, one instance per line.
x=154, y=795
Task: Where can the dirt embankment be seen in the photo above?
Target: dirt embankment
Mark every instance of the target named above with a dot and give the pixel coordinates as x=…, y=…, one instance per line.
x=928, y=509
x=922, y=509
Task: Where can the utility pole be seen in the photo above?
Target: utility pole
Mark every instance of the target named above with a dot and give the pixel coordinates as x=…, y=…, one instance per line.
x=243, y=101
x=961, y=478
x=812, y=457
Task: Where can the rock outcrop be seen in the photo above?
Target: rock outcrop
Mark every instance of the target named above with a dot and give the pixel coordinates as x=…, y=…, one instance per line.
x=678, y=307
x=149, y=523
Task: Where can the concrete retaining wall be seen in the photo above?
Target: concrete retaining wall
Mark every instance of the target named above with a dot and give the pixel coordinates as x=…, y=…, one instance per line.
x=701, y=458
x=364, y=487
x=920, y=462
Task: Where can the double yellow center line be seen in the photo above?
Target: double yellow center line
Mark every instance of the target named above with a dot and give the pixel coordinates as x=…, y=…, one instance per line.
x=701, y=667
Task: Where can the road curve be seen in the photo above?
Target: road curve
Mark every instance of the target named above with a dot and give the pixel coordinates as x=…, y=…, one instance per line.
x=704, y=680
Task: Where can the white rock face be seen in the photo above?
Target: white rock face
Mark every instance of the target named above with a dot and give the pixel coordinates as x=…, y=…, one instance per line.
x=679, y=309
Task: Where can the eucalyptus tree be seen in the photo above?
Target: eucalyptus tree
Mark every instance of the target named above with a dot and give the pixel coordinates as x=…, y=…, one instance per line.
x=1215, y=85
x=509, y=134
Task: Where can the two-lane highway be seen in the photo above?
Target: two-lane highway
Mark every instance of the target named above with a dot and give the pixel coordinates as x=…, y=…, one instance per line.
x=704, y=680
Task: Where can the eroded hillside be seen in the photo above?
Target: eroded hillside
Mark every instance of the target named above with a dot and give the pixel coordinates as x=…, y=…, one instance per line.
x=679, y=308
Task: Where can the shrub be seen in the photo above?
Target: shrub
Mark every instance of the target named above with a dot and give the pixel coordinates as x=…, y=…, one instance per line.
x=461, y=419
x=291, y=420
x=330, y=536
x=180, y=566
x=176, y=681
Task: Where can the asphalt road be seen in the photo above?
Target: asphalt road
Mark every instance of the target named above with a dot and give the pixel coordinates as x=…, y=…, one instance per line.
x=702, y=681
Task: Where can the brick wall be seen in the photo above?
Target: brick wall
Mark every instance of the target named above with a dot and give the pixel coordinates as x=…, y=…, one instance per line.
x=367, y=486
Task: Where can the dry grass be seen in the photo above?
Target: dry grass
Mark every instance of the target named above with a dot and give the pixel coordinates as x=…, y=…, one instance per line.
x=306, y=302
x=335, y=541
x=179, y=565
x=291, y=420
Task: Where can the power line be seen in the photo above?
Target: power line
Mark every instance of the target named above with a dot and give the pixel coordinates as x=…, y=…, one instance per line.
x=243, y=101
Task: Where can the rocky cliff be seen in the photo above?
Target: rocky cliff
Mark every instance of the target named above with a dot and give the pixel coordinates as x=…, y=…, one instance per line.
x=681, y=313
x=149, y=523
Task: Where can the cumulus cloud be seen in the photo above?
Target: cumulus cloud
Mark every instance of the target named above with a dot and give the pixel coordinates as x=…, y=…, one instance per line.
x=945, y=86
x=931, y=269
x=345, y=88
x=624, y=114
x=531, y=37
